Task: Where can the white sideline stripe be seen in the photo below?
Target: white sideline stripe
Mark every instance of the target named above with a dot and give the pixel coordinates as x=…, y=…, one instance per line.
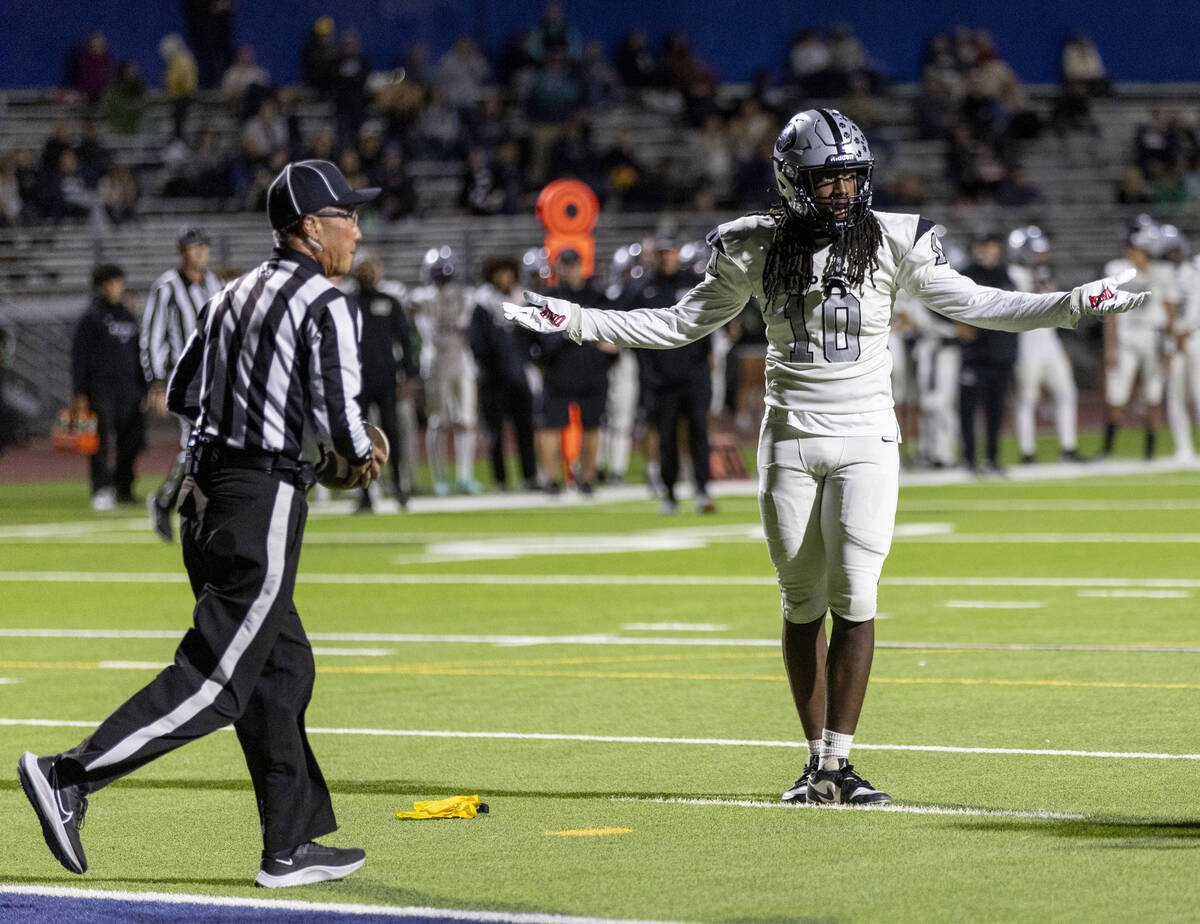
x=1054, y=538
x=1138, y=594
x=397, y=911
x=650, y=739
x=673, y=627
x=9, y=680
x=891, y=807
x=995, y=604
x=1099, y=504
x=646, y=580
x=614, y=640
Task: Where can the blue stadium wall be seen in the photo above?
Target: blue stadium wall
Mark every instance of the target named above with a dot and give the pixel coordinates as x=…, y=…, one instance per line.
x=1153, y=43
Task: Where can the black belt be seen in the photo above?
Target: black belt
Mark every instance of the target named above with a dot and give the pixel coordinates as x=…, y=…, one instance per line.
x=205, y=456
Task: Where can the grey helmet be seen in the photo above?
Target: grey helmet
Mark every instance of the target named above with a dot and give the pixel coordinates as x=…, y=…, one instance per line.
x=820, y=141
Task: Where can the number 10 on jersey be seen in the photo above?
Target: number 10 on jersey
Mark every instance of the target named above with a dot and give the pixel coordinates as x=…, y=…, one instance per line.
x=840, y=317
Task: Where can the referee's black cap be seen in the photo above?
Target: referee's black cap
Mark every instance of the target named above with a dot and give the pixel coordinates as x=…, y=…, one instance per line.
x=307, y=186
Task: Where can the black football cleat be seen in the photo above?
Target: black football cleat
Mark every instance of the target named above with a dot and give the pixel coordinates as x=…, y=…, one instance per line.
x=308, y=863
x=798, y=793
x=843, y=787
x=60, y=809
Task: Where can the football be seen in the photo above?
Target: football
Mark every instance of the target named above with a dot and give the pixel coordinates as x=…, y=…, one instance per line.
x=334, y=470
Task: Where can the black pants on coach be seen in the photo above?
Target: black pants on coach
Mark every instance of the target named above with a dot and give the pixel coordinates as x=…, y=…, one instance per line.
x=246, y=660
x=983, y=384
x=687, y=401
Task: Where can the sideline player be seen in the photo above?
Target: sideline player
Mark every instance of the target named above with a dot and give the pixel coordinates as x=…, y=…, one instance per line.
x=1041, y=359
x=825, y=268
x=168, y=321
x=1135, y=345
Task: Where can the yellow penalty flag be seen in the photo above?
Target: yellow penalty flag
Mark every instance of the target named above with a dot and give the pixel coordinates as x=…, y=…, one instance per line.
x=450, y=807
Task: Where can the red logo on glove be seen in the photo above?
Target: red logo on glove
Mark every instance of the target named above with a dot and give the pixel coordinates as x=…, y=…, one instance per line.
x=555, y=319
x=1106, y=295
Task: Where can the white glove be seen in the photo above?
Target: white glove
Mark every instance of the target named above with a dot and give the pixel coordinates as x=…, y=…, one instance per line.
x=1104, y=296
x=545, y=315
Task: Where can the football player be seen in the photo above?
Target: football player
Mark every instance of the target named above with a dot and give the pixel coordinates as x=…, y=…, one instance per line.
x=442, y=311
x=1135, y=346
x=1183, y=377
x=826, y=268
x=1041, y=360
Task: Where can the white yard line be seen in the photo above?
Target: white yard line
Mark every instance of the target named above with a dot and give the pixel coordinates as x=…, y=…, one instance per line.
x=994, y=604
x=595, y=640
x=651, y=739
x=890, y=808
x=618, y=580
x=1138, y=594
x=399, y=912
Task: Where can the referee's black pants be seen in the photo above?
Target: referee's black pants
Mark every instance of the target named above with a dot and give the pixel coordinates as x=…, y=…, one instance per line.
x=683, y=400
x=246, y=660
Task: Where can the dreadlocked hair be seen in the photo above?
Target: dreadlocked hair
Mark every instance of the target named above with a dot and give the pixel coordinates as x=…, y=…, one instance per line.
x=788, y=269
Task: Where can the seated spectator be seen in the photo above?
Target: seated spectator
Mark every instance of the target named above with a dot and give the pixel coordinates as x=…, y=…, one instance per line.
x=124, y=100
x=1133, y=188
x=90, y=67
x=245, y=83
x=754, y=178
x=934, y=108
x=399, y=196
x=808, y=62
x=319, y=55
x=399, y=101
x=67, y=196
x=848, y=58
x=203, y=171
x=1082, y=64
x=572, y=154
x=1073, y=111
x=1016, y=190
x=906, y=192
x=181, y=81
x=119, y=194
x=60, y=140
x=481, y=194
x=1153, y=142
x=626, y=175
x=601, y=83
x=554, y=97
x=95, y=158
x=370, y=146
x=635, y=62
x=323, y=144
x=489, y=127
x=940, y=65
x=462, y=73
x=439, y=132
x=266, y=132
x=714, y=157
x=29, y=182
x=689, y=75
x=12, y=206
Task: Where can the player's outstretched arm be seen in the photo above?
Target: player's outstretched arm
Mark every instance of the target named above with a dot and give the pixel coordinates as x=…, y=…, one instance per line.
x=546, y=315
x=1104, y=296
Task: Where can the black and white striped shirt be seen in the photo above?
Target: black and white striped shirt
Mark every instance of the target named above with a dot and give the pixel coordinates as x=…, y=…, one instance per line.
x=274, y=350
x=170, y=318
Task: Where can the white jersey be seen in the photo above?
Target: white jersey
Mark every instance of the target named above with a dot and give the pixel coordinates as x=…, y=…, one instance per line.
x=1148, y=323
x=1187, y=281
x=442, y=315
x=828, y=365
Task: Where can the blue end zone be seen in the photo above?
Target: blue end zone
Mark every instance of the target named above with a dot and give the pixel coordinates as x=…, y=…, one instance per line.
x=41, y=909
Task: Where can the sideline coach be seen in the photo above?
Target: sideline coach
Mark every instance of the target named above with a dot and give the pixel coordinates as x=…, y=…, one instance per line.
x=271, y=349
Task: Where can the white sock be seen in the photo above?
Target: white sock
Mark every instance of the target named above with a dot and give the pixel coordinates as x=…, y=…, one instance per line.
x=834, y=747
x=814, y=749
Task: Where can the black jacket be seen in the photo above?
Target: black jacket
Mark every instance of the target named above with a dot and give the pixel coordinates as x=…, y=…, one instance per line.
x=105, y=358
x=384, y=329
x=990, y=347
x=570, y=368
x=664, y=368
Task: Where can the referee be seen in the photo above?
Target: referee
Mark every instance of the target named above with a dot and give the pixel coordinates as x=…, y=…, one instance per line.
x=168, y=321
x=273, y=349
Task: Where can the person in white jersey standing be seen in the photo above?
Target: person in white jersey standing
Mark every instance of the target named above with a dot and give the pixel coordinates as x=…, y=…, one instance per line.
x=825, y=268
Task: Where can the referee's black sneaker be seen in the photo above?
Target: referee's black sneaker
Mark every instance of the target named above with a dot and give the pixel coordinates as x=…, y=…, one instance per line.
x=59, y=808
x=311, y=862
x=843, y=786
x=798, y=792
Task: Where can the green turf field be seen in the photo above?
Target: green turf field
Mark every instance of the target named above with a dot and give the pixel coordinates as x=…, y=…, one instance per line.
x=608, y=680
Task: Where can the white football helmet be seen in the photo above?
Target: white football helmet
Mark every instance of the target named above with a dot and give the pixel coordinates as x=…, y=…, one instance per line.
x=821, y=142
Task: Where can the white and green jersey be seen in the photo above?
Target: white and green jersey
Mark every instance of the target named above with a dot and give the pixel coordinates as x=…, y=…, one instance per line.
x=828, y=363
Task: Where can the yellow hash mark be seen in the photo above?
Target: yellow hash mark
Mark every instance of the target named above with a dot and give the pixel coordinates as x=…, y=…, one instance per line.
x=589, y=832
